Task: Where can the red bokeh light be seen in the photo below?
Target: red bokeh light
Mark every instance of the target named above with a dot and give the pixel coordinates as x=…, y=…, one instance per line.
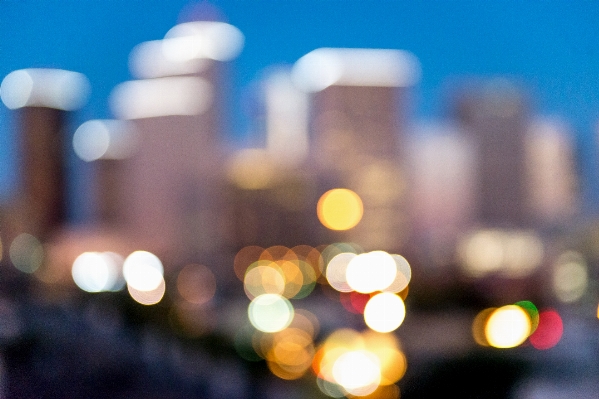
x=549, y=331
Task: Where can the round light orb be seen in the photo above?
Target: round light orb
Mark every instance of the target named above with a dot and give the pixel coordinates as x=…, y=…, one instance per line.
x=384, y=312
x=403, y=275
x=507, y=327
x=270, y=313
x=143, y=271
x=340, y=209
x=95, y=272
x=358, y=372
x=336, y=271
x=372, y=271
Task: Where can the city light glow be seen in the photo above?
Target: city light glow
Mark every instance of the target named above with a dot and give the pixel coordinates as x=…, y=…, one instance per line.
x=252, y=169
x=215, y=40
x=570, y=277
x=148, y=297
x=371, y=271
x=51, y=88
x=26, y=253
x=264, y=277
x=96, y=271
x=270, y=313
x=549, y=331
x=168, y=96
x=325, y=67
x=340, y=209
x=384, y=312
x=513, y=254
x=107, y=139
x=143, y=271
x=336, y=271
x=507, y=327
x=358, y=372
x=402, y=276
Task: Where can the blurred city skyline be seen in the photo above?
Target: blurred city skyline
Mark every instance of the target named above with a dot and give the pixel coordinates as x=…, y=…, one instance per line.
x=549, y=49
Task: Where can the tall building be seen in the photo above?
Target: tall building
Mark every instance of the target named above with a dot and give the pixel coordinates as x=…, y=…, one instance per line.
x=42, y=98
x=273, y=190
x=441, y=175
x=551, y=171
x=172, y=184
x=495, y=117
x=358, y=110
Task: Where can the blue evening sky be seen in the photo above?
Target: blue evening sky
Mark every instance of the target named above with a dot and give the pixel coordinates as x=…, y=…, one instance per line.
x=552, y=47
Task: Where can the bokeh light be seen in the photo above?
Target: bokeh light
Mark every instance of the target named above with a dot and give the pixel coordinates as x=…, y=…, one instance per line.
x=549, y=332
x=570, y=277
x=196, y=284
x=340, y=209
x=358, y=372
x=214, y=40
x=270, y=313
x=148, y=297
x=26, y=253
x=168, y=96
x=507, y=327
x=264, y=277
x=384, y=312
x=372, y=271
x=143, y=271
x=107, y=139
x=244, y=258
x=252, y=169
x=511, y=253
x=478, y=326
x=336, y=271
x=533, y=313
x=402, y=276
x=52, y=88
x=96, y=272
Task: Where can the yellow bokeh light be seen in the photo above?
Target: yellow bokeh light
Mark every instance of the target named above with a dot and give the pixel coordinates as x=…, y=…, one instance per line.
x=478, y=326
x=358, y=372
x=384, y=312
x=340, y=209
x=507, y=327
x=264, y=277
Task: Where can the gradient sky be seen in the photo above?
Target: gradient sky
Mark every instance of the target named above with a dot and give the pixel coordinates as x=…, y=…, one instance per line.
x=551, y=47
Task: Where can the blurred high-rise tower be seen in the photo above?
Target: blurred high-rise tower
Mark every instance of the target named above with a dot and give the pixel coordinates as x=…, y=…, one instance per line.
x=358, y=110
x=495, y=117
x=172, y=188
x=42, y=98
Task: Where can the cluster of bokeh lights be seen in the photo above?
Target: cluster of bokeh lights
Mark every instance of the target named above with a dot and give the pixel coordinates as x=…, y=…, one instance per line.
x=347, y=363
x=510, y=326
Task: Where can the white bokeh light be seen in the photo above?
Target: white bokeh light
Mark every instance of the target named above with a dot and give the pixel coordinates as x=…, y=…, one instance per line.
x=95, y=272
x=270, y=312
x=143, y=271
x=384, y=312
x=358, y=372
x=372, y=271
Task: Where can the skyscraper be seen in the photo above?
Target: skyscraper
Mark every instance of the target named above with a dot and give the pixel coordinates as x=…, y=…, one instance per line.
x=495, y=117
x=42, y=97
x=172, y=184
x=358, y=120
